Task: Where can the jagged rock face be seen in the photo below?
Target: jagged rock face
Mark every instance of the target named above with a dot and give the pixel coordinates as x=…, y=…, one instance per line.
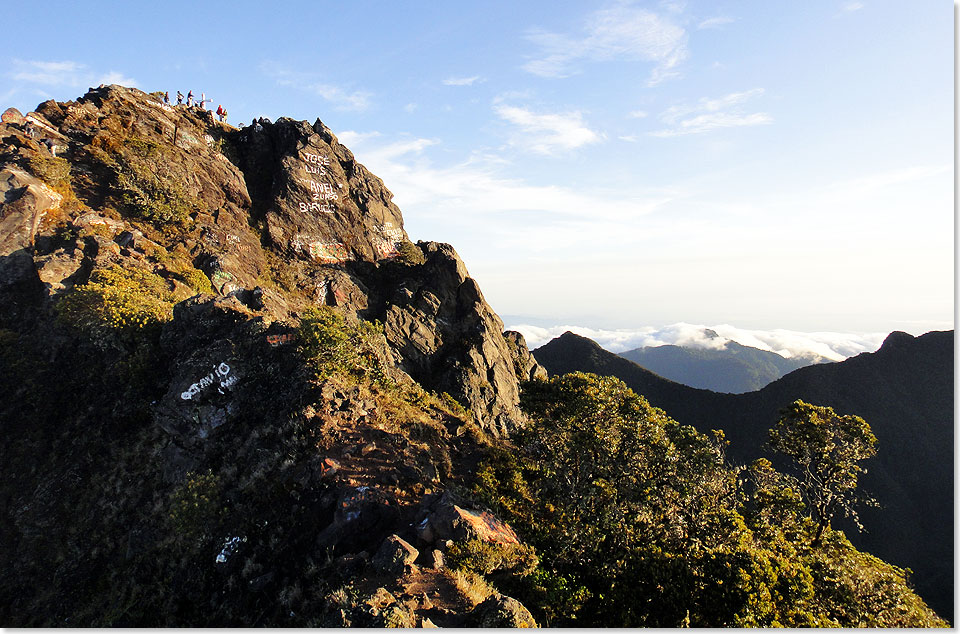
x=319, y=203
x=25, y=202
x=447, y=335
x=525, y=363
x=282, y=210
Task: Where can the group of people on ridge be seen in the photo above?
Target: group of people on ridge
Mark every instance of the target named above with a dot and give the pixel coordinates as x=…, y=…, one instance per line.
x=221, y=111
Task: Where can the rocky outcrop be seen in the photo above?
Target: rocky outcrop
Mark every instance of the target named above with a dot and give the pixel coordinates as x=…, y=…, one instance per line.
x=446, y=334
x=525, y=364
x=280, y=209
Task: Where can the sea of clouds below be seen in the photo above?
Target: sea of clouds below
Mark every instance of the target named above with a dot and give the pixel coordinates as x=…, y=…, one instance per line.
x=833, y=346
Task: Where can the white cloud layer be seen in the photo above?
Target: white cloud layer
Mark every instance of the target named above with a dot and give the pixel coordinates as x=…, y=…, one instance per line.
x=617, y=33
x=834, y=346
x=712, y=114
x=548, y=133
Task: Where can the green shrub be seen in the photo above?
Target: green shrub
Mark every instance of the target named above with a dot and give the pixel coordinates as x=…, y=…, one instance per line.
x=149, y=188
x=482, y=557
x=332, y=346
x=118, y=299
x=55, y=171
x=638, y=521
x=195, y=279
x=195, y=506
x=410, y=254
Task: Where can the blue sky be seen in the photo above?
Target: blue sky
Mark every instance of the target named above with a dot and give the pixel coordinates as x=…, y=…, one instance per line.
x=615, y=165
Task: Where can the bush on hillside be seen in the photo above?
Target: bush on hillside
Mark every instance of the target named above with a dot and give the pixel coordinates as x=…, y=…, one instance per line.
x=645, y=525
x=118, y=299
x=332, y=346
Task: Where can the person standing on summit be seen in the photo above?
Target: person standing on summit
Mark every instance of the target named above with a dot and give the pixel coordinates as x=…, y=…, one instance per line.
x=190, y=99
x=179, y=98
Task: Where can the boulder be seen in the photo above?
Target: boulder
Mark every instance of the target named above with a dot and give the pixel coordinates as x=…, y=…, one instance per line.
x=451, y=522
x=501, y=611
x=395, y=556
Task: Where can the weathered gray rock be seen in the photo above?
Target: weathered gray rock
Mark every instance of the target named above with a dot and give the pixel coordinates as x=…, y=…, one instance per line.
x=321, y=205
x=395, y=556
x=525, y=364
x=447, y=335
x=24, y=200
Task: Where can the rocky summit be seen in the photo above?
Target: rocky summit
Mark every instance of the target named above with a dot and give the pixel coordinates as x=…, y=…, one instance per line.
x=175, y=455
x=280, y=212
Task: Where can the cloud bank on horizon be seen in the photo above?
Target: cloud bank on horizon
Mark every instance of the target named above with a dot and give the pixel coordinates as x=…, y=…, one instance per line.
x=833, y=346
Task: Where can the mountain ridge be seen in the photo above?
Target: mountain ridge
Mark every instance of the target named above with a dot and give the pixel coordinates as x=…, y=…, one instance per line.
x=732, y=368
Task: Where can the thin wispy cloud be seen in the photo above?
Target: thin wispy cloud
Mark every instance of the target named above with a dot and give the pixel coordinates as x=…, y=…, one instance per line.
x=339, y=97
x=833, y=346
x=547, y=133
x=715, y=23
x=65, y=73
x=879, y=182
x=637, y=114
x=462, y=81
x=477, y=189
x=850, y=7
x=114, y=77
x=712, y=114
x=617, y=33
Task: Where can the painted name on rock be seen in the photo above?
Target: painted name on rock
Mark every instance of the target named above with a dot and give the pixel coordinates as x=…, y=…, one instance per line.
x=316, y=164
x=220, y=373
x=323, y=252
x=279, y=340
